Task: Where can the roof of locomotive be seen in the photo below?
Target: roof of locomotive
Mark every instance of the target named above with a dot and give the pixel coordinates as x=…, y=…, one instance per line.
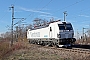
x=61, y=22
x=43, y=26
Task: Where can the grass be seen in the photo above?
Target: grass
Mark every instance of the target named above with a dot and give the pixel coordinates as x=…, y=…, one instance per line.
x=25, y=51
x=6, y=49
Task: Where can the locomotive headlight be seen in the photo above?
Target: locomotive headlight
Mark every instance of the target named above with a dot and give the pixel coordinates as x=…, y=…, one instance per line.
x=58, y=35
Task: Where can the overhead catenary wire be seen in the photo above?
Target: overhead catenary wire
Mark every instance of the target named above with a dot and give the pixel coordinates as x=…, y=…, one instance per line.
x=64, y=7
x=40, y=9
x=36, y=7
x=33, y=12
x=77, y=2
x=82, y=11
x=3, y=16
x=46, y=4
x=69, y=6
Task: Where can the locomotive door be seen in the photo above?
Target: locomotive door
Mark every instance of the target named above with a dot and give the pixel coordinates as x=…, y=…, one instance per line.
x=50, y=33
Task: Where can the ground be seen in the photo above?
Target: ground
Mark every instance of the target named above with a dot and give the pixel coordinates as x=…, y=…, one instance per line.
x=26, y=51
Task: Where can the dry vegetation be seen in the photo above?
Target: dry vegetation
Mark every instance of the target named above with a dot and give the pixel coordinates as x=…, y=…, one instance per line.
x=6, y=49
x=26, y=51
x=85, y=41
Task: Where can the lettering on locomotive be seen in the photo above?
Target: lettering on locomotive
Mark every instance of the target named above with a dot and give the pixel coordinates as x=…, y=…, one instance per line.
x=35, y=34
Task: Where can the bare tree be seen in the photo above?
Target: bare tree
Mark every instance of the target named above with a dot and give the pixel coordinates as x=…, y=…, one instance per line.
x=2, y=35
x=29, y=26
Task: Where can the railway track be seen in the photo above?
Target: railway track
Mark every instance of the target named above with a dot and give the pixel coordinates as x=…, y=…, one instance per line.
x=74, y=50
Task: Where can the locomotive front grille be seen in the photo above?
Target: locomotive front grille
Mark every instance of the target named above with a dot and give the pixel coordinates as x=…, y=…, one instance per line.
x=62, y=35
x=66, y=36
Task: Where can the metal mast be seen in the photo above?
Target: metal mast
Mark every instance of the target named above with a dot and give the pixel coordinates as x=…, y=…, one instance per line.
x=12, y=7
x=22, y=19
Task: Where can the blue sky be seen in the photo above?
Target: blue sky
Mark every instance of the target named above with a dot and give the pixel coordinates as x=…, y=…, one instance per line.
x=78, y=12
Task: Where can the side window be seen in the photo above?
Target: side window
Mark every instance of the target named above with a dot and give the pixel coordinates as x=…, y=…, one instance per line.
x=50, y=29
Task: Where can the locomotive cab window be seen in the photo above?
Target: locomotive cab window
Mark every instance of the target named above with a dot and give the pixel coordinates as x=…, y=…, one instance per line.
x=65, y=27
